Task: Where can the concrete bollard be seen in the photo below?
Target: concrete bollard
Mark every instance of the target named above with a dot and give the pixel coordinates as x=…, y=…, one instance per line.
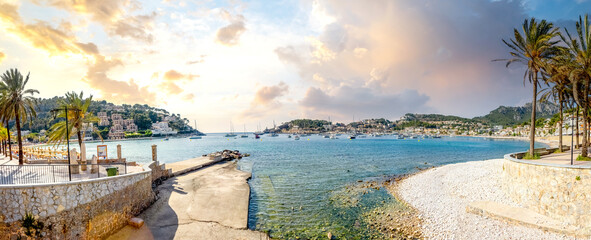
x=119, y=152
x=154, y=154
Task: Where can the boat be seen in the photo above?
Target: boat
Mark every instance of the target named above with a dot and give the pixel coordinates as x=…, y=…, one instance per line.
x=297, y=137
x=256, y=136
x=289, y=136
x=195, y=136
x=332, y=136
x=400, y=136
x=436, y=136
x=231, y=134
x=244, y=133
x=273, y=134
x=361, y=136
x=166, y=139
x=325, y=136
x=352, y=137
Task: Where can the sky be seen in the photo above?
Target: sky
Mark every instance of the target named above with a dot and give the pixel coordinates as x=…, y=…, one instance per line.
x=251, y=63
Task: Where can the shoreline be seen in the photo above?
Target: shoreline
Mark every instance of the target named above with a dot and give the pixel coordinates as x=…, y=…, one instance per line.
x=441, y=195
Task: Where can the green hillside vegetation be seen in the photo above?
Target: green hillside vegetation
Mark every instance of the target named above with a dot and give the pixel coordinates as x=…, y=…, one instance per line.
x=509, y=116
x=143, y=116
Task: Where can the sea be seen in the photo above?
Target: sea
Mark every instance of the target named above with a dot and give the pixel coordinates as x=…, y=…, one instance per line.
x=301, y=189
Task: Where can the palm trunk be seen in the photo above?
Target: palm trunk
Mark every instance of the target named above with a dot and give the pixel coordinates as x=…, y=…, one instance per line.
x=532, y=128
x=18, y=133
x=585, y=116
x=9, y=144
x=560, y=128
x=577, y=127
x=79, y=134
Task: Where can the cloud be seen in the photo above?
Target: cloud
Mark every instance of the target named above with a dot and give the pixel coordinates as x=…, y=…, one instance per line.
x=439, y=49
x=230, y=35
x=266, y=101
x=345, y=102
x=200, y=60
x=189, y=97
x=43, y=36
x=173, y=75
x=2, y=56
x=268, y=95
x=114, y=15
x=116, y=91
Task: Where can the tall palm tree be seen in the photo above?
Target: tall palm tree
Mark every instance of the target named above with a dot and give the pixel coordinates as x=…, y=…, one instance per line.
x=78, y=115
x=16, y=100
x=531, y=49
x=580, y=48
x=556, y=74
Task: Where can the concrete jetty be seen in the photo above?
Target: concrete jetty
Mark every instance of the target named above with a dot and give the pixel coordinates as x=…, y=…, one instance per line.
x=205, y=199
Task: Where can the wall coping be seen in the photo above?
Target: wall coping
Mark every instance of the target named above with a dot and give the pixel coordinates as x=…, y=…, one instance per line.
x=74, y=182
x=530, y=162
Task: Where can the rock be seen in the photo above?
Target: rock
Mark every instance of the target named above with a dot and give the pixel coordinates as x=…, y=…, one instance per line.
x=136, y=222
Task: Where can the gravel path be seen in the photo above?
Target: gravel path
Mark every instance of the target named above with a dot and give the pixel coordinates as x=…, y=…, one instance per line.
x=441, y=195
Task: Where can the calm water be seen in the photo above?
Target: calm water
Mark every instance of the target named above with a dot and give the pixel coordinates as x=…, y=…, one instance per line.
x=299, y=188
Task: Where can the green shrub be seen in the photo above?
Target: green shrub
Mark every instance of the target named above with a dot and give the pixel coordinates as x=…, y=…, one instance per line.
x=558, y=151
x=31, y=225
x=581, y=158
x=578, y=178
x=528, y=156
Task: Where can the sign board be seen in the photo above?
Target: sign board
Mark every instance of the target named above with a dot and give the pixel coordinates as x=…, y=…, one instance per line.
x=101, y=151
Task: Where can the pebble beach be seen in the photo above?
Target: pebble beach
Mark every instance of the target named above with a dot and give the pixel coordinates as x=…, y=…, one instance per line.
x=440, y=196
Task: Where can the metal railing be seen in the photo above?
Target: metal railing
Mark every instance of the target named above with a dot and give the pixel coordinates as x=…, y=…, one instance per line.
x=54, y=173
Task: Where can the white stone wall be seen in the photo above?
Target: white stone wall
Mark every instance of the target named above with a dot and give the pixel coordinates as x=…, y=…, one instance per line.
x=87, y=209
x=560, y=192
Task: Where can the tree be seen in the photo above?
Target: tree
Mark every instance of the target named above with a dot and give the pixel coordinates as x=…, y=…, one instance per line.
x=580, y=74
x=557, y=75
x=15, y=100
x=535, y=46
x=142, y=121
x=78, y=115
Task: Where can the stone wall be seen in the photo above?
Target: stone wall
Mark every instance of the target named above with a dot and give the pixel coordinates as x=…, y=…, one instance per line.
x=88, y=209
x=557, y=191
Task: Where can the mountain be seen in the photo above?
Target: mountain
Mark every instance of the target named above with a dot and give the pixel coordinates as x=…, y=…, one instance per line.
x=507, y=116
x=434, y=118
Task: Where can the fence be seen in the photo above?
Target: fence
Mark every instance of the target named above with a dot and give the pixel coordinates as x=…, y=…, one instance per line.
x=53, y=173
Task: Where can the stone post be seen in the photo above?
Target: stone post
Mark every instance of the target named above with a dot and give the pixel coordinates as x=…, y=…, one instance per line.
x=154, y=155
x=119, y=152
x=83, y=157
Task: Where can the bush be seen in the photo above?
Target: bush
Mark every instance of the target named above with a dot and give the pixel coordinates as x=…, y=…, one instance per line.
x=31, y=225
x=528, y=156
x=581, y=158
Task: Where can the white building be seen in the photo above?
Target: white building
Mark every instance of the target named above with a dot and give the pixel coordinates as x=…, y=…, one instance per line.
x=162, y=128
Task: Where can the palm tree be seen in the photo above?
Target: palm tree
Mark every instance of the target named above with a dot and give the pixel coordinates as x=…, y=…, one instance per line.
x=15, y=100
x=557, y=72
x=3, y=133
x=532, y=49
x=580, y=75
x=78, y=115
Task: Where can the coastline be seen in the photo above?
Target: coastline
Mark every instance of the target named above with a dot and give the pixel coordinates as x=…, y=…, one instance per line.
x=441, y=195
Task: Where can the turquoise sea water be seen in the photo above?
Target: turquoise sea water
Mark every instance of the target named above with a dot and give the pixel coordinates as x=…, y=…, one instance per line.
x=299, y=189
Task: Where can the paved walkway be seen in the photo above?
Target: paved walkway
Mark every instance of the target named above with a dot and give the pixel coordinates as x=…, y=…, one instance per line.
x=211, y=203
x=563, y=159
x=189, y=165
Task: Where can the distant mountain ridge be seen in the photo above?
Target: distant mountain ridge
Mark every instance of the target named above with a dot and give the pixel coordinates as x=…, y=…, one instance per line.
x=503, y=115
x=506, y=116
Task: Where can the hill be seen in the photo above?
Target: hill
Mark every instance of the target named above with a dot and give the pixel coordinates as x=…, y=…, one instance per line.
x=508, y=116
x=142, y=115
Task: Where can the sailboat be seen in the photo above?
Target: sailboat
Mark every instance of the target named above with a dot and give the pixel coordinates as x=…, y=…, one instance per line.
x=231, y=134
x=244, y=133
x=273, y=134
x=195, y=136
